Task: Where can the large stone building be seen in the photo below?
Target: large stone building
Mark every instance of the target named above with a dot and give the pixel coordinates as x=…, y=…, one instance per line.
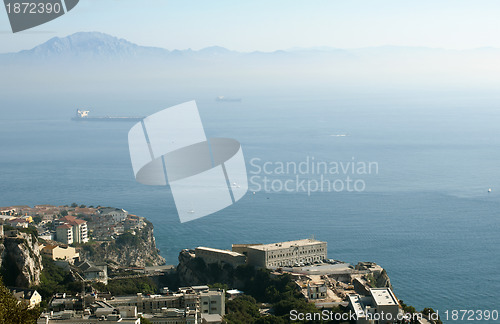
x=283, y=254
x=210, y=255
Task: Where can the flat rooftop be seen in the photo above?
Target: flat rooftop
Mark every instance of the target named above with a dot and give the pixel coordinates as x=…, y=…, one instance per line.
x=284, y=245
x=383, y=296
x=357, y=305
x=231, y=253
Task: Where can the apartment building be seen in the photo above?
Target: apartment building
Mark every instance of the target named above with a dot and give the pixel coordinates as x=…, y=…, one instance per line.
x=78, y=227
x=64, y=233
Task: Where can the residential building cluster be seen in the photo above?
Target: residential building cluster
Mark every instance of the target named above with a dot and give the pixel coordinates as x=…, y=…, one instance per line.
x=72, y=224
x=190, y=305
x=326, y=283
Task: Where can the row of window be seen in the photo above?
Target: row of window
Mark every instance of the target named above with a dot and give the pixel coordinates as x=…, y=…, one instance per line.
x=274, y=256
x=285, y=263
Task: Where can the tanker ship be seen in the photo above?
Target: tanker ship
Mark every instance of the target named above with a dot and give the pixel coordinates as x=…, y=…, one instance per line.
x=82, y=115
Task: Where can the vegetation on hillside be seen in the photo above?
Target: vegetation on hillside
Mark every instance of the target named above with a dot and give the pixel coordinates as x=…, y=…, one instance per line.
x=279, y=293
x=129, y=286
x=55, y=279
x=14, y=312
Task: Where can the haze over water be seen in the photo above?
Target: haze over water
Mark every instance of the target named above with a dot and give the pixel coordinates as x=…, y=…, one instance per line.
x=428, y=118
x=426, y=216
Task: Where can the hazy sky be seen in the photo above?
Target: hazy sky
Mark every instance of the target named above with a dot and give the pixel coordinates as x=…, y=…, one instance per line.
x=271, y=25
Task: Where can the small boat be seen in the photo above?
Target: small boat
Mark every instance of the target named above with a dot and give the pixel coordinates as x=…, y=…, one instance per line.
x=489, y=190
x=227, y=99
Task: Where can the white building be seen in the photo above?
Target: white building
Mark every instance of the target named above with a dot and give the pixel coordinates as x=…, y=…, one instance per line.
x=385, y=301
x=117, y=214
x=64, y=234
x=78, y=227
x=174, y=316
x=30, y=296
x=317, y=290
x=369, y=309
x=55, y=252
x=151, y=304
x=213, y=302
x=18, y=222
x=283, y=254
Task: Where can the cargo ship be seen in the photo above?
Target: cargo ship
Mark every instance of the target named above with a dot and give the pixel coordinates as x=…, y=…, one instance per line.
x=83, y=115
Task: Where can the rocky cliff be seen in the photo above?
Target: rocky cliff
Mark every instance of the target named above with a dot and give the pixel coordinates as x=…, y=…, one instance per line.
x=20, y=260
x=194, y=271
x=127, y=250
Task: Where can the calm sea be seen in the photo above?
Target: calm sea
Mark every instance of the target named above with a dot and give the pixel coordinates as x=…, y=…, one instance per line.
x=426, y=216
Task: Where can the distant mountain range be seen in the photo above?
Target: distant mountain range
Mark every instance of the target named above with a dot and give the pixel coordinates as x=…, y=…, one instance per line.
x=95, y=44
x=86, y=58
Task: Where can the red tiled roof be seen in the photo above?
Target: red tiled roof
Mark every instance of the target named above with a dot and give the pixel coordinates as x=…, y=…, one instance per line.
x=17, y=220
x=64, y=226
x=72, y=220
x=68, y=218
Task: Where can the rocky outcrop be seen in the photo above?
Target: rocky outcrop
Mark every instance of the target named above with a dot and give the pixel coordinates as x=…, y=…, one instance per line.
x=377, y=276
x=127, y=250
x=189, y=268
x=194, y=271
x=20, y=260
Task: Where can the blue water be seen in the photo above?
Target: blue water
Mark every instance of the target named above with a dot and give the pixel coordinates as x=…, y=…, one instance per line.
x=426, y=217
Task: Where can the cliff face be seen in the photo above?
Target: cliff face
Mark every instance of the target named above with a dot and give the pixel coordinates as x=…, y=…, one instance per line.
x=383, y=280
x=193, y=271
x=189, y=269
x=378, y=276
x=20, y=260
x=127, y=250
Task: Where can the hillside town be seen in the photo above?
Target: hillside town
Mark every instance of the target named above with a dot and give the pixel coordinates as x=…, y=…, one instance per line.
x=64, y=232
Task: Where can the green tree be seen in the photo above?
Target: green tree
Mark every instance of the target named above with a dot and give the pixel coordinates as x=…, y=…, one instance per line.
x=56, y=279
x=145, y=321
x=243, y=309
x=14, y=312
x=219, y=285
x=37, y=219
